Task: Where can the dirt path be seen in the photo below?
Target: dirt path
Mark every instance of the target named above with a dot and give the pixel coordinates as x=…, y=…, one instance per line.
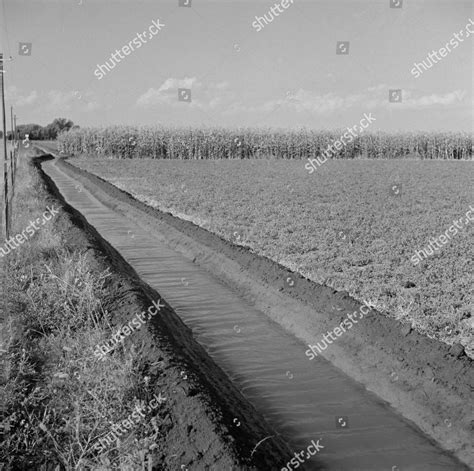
x=429, y=385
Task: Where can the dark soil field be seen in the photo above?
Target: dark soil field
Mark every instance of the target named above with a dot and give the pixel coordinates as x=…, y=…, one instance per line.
x=343, y=226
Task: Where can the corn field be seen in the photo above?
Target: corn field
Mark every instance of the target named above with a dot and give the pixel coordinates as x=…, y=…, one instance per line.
x=126, y=142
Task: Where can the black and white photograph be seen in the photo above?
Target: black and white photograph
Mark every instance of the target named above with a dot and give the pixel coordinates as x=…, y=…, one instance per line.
x=236, y=235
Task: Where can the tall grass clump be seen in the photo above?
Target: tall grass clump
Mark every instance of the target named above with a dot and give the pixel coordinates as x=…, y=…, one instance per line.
x=159, y=142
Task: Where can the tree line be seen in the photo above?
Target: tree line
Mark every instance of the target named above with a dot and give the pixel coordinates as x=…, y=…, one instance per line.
x=43, y=133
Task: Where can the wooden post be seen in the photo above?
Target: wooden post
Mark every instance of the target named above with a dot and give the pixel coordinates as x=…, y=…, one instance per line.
x=11, y=151
x=4, y=234
x=17, y=143
x=3, y=159
x=11, y=121
x=12, y=176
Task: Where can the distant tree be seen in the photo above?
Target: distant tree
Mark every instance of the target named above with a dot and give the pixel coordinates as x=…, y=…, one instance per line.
x=33, y=131
x=49, y=132
x=59, y=125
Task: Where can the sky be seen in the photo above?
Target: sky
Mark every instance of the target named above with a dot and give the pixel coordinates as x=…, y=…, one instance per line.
x=288, y=73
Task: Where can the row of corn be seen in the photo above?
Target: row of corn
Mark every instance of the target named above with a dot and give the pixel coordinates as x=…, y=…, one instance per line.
x=221, y=143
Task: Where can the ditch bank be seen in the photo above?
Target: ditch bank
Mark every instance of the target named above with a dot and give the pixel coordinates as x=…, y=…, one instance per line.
x=201, y=403
x=427, y=381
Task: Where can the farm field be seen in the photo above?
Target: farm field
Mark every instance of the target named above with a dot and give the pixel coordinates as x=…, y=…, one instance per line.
x=258, y=143
x=233, y=233
x=342, y=226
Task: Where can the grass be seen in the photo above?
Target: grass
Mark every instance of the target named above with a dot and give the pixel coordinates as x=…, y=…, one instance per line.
x=340, y=226
x=59, y=398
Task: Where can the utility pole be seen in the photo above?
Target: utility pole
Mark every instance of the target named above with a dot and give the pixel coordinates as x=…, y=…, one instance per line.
x=12, y=150
x=3, y=160
x=4, y=234
x=17, y=143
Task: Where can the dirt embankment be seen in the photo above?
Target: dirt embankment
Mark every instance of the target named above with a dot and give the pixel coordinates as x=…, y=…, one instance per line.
x=201, y=401
x=427, y=381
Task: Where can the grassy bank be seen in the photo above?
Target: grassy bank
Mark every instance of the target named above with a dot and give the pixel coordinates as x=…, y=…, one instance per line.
x=60, y=398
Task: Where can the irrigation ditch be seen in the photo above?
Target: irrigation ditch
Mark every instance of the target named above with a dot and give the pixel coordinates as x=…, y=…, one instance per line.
x=405, y=400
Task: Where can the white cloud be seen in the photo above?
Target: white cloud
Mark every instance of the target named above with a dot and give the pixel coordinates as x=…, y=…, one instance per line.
x=219, y=96
x=223, y=85
x=435, y=99
x=57, y=98
x=372, y=97
x=92, y=106
x=204, y=96
x=14, y=96
x=60, y=101
x=173, y=84
x=53, y=100
x=166, y=93
x=151, y=97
